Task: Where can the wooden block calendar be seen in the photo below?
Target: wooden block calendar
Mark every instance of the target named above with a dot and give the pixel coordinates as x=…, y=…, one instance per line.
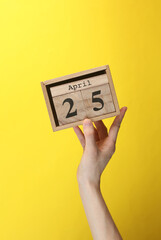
x=86, y=94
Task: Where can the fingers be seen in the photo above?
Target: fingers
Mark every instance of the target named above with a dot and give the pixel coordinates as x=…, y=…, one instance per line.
x=116, y=125
x=92, y=134
x=89, y=133
x=102, y=129
x=96, y=135
x=80, y=135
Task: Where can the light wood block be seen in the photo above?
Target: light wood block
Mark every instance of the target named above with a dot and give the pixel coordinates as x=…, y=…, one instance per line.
x=98, y=101
x=86, y=94
x=79, y=85
x=69, y=108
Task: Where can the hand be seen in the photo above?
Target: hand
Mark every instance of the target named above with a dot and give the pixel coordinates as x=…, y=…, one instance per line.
x=98, y=147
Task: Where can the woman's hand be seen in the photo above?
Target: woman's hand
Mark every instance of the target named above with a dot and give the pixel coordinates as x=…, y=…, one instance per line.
x=98, y=147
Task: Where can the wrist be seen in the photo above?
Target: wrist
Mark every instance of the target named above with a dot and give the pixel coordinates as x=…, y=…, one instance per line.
x=88, y=178
x=88, y=184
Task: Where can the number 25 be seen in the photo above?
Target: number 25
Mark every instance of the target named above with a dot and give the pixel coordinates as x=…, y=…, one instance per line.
x=94, y=100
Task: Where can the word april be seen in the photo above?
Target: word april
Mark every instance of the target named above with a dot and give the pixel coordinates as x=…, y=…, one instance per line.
x=79, y=85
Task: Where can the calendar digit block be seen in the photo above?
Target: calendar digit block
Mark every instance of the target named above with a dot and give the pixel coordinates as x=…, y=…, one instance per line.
x=69, y=108
x=87, y=94
x=98, y=101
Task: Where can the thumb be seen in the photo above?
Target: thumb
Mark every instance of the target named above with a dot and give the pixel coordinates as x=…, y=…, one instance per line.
x=89, y=133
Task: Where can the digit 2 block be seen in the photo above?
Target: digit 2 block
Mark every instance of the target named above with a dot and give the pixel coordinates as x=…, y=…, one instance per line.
x=87, y=94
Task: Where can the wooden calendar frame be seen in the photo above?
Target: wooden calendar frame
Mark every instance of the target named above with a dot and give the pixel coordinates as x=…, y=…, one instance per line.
x=71, y=78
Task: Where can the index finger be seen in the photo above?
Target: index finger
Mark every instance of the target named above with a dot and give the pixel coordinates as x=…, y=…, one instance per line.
x=102, y=129
x=116, y=125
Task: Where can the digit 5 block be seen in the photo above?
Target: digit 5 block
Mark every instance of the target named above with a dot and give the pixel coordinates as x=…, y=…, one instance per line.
x=87, y=94
x=98, y=101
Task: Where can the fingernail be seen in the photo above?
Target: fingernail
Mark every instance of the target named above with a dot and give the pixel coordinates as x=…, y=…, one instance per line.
x=87, y=122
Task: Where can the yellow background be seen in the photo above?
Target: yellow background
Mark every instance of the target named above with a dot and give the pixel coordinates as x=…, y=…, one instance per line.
x=40, y=40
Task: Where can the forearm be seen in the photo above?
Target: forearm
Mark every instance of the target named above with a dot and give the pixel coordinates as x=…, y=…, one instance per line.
x=100, y=221
x=98, y=147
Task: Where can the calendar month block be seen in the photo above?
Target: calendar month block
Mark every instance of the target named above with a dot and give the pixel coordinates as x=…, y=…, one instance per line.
x=86, y=94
